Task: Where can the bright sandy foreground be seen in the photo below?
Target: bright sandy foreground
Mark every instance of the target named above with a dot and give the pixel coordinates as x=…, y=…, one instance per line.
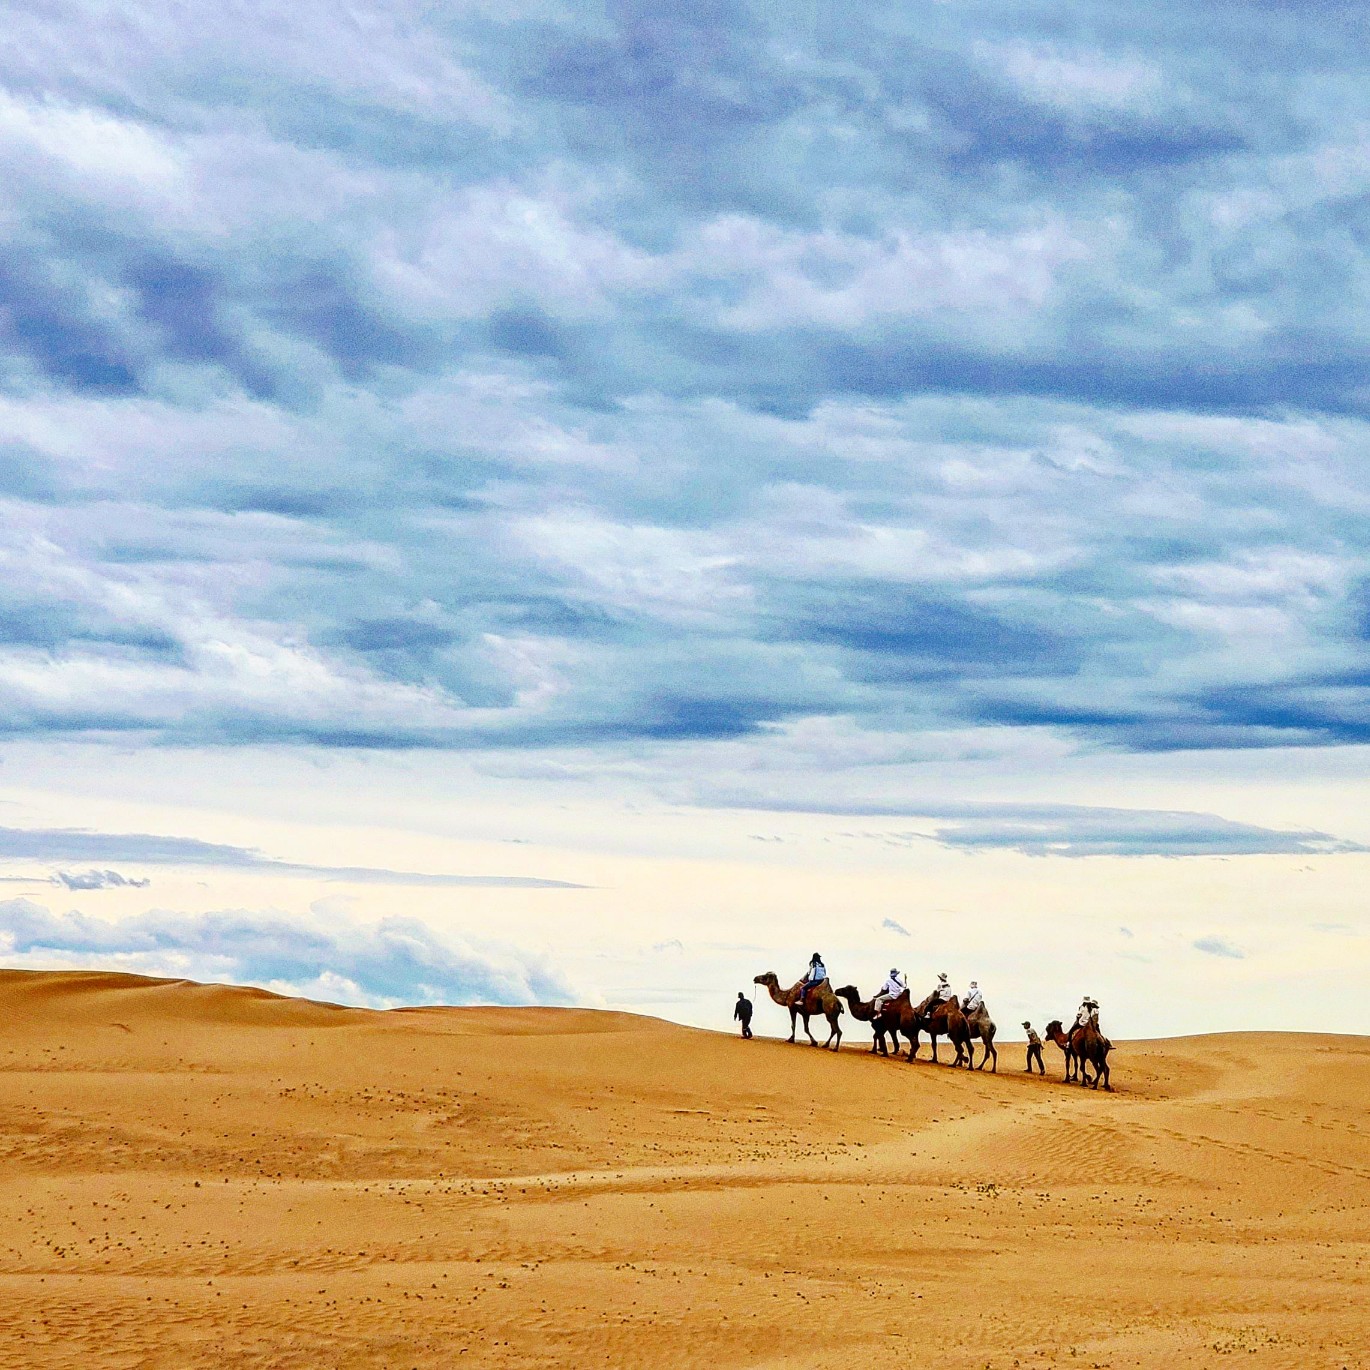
x=198, y=1175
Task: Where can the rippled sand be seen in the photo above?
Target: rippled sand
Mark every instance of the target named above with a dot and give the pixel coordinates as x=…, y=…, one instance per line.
x=197, y=1175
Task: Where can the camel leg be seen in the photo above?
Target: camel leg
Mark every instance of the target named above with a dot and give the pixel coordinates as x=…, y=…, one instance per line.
x=987, y=1047
x=813, y=1041
x=894, y=1040
x=935, y=1061
x=835, y=1031
x=794, y=1022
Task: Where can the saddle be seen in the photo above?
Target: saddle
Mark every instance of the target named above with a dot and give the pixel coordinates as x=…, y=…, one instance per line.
x=810, y=1000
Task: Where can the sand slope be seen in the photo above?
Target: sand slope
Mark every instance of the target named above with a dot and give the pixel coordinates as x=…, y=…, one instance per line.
x=198, y=1175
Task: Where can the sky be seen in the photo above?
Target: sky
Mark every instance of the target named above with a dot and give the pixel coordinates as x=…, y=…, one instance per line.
x=587, y=504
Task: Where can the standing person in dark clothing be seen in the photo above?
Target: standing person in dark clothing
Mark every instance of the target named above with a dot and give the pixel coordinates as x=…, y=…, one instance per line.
x=1034, y=1051
x=742, y=1011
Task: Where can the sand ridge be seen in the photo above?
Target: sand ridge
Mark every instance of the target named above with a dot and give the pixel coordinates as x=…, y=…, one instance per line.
x=195, y=1175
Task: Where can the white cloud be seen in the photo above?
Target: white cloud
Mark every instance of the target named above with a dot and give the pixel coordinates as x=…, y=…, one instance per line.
x=87, y=145
x=1078, y=80
x=384, y=964
x=830, y=279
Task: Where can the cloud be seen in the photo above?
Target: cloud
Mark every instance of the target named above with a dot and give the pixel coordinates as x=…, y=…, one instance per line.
x=393, y=962
x=79, y=844
x=1076, y=831
x=99, y=880
x=1063, y=829
x=1219, y=946
x=681, y=375
x=891, y=926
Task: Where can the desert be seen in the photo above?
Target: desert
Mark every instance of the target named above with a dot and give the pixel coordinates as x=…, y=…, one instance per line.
x=211, y=1175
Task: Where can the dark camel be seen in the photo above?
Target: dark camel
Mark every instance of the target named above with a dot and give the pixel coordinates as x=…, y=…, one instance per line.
x=819, y=1000
x=1091, y=1048
x=1083, y=1046
x=863, y=1011
x=945, y=1019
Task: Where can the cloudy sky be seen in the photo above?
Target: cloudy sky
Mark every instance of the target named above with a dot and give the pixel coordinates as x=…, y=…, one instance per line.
x=588, y=503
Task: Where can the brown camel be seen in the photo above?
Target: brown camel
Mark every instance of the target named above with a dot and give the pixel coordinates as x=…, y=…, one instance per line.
x=1056, y=1033
x=897, y=1017
x=819, y=1000
x=944, y=1019
x=863, y=1011
x=1091, y=1048
x=981, y=1025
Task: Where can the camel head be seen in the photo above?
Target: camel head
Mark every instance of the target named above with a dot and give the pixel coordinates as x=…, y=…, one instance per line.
x=1053, y=1027
x=768, y=979
x=847, y=991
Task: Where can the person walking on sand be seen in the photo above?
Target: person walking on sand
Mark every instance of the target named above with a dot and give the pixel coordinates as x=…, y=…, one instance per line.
x=742, y=1011
x=1034, y=1051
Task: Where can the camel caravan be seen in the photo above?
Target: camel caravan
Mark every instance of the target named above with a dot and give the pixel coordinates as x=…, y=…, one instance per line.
x=892, y=1014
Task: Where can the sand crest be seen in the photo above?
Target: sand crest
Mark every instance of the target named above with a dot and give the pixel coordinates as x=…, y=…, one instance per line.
x=198, y=1175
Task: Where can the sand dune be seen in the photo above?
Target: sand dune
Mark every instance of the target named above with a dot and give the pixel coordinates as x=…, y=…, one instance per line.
x=198, y=1175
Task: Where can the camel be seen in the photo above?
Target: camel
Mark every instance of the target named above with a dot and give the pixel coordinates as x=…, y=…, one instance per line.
x=897, y=1017
x=1091, y=1048
x=1082, y=1046
x=821, y=999
x=944, y=1020
x=981, y=1025
x=1056, y=1033
x=863, y=1011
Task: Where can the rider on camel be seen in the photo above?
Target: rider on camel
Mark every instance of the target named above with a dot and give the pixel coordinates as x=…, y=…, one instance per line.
x=813, y=977
x=974, y=999
x=943, y=991
x=1089, y=1013
x=891, y=989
